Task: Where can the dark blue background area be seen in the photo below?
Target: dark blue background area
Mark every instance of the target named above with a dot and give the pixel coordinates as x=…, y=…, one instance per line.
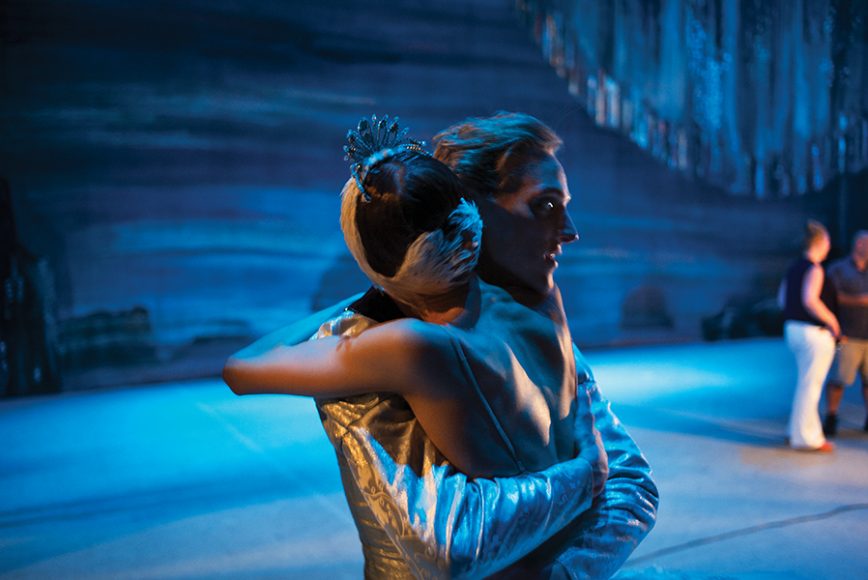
x=176, y=167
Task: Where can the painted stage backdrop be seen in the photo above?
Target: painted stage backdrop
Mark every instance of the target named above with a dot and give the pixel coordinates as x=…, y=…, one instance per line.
x=169, y=172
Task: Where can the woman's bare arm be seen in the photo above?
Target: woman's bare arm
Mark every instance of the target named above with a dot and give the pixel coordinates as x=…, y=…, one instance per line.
x=384, y=358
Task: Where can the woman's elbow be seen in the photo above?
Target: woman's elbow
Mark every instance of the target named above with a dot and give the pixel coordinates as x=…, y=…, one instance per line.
x=813, y=305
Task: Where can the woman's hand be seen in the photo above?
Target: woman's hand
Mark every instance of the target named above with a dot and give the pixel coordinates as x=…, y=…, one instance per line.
x=834, y=328
x=589, y=442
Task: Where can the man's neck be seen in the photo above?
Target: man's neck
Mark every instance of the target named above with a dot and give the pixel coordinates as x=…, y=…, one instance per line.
x=522, y=294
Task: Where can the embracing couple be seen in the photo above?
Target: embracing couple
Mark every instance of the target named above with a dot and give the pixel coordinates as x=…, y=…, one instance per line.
x=471, y=436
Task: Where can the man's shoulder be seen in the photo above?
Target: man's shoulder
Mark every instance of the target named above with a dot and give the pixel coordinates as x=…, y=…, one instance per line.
x=840, y=265
x=844, y=271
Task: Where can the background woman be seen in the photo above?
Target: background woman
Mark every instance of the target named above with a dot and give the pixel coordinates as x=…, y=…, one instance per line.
x=810, y=330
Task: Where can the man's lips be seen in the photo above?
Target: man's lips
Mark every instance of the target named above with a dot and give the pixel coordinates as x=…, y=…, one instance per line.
x=551, y=256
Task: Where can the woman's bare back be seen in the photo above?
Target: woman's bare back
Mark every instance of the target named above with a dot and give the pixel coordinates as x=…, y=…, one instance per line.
x=497, y=391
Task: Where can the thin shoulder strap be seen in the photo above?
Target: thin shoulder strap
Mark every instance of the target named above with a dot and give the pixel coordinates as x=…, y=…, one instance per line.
x=471, y=378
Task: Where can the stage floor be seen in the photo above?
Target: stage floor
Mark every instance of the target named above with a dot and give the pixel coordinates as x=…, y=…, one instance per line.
x=187, y=480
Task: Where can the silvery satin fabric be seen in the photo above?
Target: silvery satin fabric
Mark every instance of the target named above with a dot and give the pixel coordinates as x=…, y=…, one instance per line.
x=418, y=517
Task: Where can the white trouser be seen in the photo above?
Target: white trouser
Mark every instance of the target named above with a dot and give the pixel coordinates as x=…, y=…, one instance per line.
x=814, y=349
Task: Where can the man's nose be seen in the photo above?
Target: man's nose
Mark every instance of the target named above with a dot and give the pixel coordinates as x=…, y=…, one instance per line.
x=568, y=233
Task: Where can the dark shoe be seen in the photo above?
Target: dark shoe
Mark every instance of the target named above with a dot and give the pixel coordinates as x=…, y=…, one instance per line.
x=830, y=425
x=865, y=428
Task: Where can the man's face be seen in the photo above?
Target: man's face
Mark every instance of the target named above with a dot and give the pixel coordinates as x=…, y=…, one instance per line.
x=525, y=230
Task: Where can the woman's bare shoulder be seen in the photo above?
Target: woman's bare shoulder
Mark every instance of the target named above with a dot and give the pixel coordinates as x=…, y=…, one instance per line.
x=411, y=336
x=814, y=273
x=420, y=352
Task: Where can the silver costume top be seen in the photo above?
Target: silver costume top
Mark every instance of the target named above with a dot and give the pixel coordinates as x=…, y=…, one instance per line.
x=417, y=516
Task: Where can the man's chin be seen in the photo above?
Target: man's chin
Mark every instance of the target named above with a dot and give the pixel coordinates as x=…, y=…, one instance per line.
x=539, y=285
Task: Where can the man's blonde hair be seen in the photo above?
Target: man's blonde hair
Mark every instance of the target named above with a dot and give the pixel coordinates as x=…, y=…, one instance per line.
x=489, y=154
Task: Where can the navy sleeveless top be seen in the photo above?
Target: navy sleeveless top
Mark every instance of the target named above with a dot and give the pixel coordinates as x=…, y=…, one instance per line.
x=794, y=308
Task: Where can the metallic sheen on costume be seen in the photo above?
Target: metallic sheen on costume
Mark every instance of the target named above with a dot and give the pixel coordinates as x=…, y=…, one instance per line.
x=418, y=517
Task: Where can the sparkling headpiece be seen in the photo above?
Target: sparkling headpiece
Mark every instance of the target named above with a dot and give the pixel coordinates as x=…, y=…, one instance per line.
x=436, y=261
x=373, y=142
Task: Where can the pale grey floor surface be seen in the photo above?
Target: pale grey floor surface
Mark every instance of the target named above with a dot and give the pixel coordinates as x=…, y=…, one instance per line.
x=187, y=480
